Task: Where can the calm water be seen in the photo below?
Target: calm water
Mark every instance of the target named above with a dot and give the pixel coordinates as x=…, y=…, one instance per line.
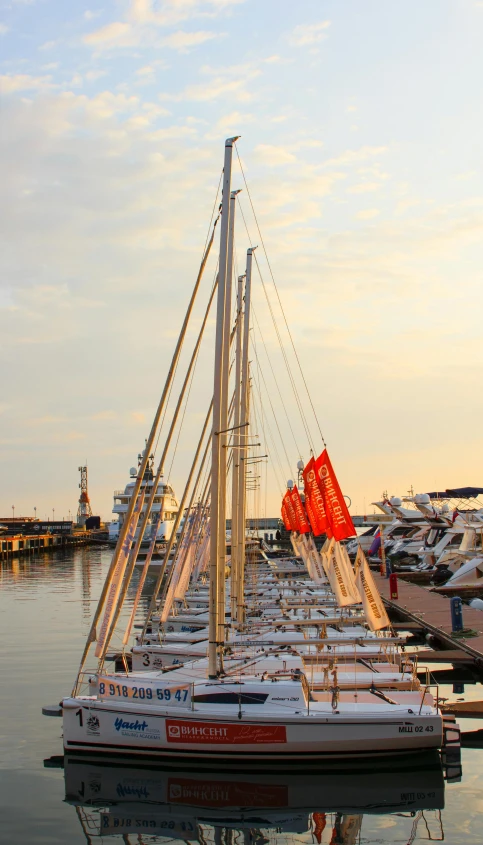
x=46, y=606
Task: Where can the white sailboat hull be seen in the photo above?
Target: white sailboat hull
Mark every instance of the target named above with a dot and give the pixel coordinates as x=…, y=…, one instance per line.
x=118, y=728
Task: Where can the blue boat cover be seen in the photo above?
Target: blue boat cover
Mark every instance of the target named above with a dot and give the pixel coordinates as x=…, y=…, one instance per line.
x=466, y=492
x=457, y=492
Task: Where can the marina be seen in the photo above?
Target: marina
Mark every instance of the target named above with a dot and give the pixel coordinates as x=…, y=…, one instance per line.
x=240, y=312
x=306, y=669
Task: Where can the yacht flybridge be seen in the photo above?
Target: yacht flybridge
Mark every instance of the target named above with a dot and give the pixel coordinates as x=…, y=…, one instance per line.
x=243, y=657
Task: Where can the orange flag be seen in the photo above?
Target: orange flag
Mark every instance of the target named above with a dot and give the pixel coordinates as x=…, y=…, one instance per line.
x=287, y=501
x=337, y=513
x=303, y=526
x=314, y=498
x=285, y=518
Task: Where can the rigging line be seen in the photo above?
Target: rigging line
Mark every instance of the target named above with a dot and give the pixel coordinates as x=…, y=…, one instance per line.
x=285, y=357
x=273, y=411
x=165, y=409
x=257, y=454
x=297, y=449
x=216, y=272
x=182, y=418
x=187, y=398
x=257, y=376
x=213, y=209
x=176, y=368
x=280, y=302
x=282, y=348
x=272, y=450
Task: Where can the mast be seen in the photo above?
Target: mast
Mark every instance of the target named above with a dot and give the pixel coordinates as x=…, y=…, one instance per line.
x=218, y=481
x=241, y=515
x=221, y=592
x=236, y=453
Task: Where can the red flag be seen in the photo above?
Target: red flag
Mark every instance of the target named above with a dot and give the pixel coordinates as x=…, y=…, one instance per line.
x=315, y=501
x=319, y=827
x=303, y=526
x=290, y=511
x=310, y=512
x=285, y=518
x=337, y=513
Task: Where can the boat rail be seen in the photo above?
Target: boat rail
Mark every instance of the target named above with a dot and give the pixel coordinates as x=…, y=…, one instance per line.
x=426, y=690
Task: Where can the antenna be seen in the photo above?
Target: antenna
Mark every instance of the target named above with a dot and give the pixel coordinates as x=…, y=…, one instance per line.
x=84, y=510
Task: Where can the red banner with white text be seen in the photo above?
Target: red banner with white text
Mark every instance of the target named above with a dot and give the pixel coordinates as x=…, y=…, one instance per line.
x=314, y=499
x=303, y=526
x=287, y=501
x=337, y=512
x=285, y=519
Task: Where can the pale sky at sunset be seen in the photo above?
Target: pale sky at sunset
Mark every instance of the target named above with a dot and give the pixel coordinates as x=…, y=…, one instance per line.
x=362, y=139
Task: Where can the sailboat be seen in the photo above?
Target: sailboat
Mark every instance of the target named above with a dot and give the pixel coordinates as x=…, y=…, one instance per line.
x=253, y=694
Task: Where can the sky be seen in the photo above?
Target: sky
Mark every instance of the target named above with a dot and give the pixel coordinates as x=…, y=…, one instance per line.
x=361, y=136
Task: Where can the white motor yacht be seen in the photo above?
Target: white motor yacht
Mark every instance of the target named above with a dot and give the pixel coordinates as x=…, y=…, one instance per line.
x=163, y=512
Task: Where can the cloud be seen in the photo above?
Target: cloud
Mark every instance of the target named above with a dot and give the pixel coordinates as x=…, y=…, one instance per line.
x=307, y=34
x=368, y=214
x=353, y=156
x=184, y=40
x=103, y=415
x=143, y=18
x=147, y=70
x=364, y=188
x=274, y=156
x=213, y=90
x=11, y=83
x=90, y=15
x=232, y=81
x=230, y=123
x=4, y=29
x=48, y=419
x=93, y=75
x=117, y=34
x=171, y=12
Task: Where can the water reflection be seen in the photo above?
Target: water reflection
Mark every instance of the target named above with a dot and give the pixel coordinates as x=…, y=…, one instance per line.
x=132, y=801
x=46, y=604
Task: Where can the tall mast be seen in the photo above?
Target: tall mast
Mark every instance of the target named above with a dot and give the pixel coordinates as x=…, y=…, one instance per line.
x=221, y=592
x=243, y=452
x=235, y=528
x=218, y=480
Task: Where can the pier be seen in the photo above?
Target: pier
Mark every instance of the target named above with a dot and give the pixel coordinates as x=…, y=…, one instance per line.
x=27, y=544
x=431, y=612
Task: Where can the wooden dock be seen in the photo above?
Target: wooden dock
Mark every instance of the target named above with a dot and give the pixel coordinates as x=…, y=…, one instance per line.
x=20, y=545
x=433, y=614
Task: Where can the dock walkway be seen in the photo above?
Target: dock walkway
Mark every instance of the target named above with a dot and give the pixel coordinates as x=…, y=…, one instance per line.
x=432, y=611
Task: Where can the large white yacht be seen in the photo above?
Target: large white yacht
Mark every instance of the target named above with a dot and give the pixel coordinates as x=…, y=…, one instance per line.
x=164, y=501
